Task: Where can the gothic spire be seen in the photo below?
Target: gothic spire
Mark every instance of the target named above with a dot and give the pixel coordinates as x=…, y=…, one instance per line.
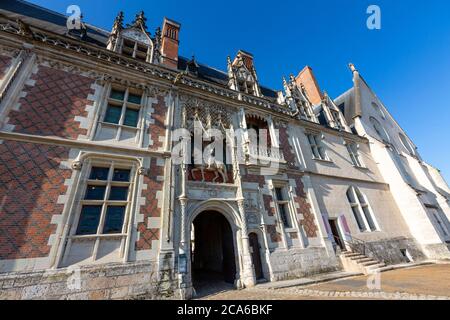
x=140, y=21
x=118, y=22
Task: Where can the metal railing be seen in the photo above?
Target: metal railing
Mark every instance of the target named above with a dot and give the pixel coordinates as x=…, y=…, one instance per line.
x=358, y=246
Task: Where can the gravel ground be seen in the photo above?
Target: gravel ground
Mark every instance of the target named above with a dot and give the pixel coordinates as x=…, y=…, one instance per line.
x=420, y=283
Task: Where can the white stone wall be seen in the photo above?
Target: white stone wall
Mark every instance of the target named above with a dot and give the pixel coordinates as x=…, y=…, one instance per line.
x=410, y=181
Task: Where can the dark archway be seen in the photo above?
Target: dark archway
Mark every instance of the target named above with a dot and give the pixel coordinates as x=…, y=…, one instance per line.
x=256, y=255
x=212, y=250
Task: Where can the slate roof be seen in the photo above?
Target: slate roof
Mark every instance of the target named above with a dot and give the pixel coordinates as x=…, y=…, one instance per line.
x=55, y=22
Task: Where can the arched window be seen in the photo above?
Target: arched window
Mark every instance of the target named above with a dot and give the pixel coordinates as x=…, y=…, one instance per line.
x=379, y=129
x=379, y=110
x=407, y=144
x=361, y=210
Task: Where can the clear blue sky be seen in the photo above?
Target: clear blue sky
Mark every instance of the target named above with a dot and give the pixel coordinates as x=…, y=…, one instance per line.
x=407, y=62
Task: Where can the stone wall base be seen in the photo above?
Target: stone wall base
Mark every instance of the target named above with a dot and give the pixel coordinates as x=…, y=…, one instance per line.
x=390, y=250
x=438, y=251
x=137, y=280
x=297, y=263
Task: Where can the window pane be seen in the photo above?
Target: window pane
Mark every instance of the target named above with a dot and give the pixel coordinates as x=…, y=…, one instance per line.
x=89, y=219
x=134, y=98
x=98, y=173
x=113, y=114
x=118, y=193
x=284, y=215
x=279, y=193
x=360, y=196
x=369, y=219
x=315, y=152
x=117, y=94
x=95, y=193
x=350, y=196
x=131, y=117
x=121, y=175
x=114, y=220
x=322, y=153
x=358, y=218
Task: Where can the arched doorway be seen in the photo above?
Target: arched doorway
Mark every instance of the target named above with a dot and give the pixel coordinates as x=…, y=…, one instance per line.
x=255, y=250
x=212, y=250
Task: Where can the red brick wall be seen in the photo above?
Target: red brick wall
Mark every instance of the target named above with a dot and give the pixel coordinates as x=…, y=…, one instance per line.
x=150, y=209
x=51, y=105
x=31, y=181
x=289, y=156
x=158, y=129
x=308, y=221
x=4, y=64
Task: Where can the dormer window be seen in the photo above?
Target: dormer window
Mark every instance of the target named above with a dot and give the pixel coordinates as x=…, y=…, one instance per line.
x=134, y=49
x=134, y=41
x=242, y=74
x=336, y=119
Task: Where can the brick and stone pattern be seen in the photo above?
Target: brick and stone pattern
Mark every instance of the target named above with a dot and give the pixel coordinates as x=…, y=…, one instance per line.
x=53, y=100
x=286, y=147
x=304, y=208
x=151, y=209
x=157, y=128
x=5, y=62
x=275, y=235
x=136, y=280
x=31, y=180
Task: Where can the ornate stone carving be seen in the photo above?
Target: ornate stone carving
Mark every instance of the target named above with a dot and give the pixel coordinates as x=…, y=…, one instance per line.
x=77, y=165
x=142, y=171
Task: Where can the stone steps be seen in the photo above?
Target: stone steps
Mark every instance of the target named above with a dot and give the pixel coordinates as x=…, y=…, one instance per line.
x=356, y=262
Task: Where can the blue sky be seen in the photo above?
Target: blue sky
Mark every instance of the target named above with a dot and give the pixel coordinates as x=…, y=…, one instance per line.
x=407, y=62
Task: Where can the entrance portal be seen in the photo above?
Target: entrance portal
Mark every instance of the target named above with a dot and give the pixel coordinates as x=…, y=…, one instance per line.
x=212, y=250
x=336, y=234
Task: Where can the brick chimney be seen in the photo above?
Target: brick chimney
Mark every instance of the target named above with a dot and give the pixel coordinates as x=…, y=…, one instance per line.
x=170, y=41
x=307, y=78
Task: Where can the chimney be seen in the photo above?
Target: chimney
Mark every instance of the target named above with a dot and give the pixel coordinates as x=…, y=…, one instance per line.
x=247, y=58
x=170, y=41
x=307, y=78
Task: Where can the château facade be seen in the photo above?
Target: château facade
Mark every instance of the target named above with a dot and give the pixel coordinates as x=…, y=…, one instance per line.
x=105, y=185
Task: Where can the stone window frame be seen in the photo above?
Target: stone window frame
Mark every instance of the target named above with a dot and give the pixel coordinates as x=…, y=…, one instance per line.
x=295, y=226
x=317, y=146
x=380, y=130
x=286, y=219
x=379, y=110
x=439, y=223
x=140, y=128
x=88, y=163
x=135, y=51
x=337, y=119
x=355, y=156
x=361, y=209
x=407, y=144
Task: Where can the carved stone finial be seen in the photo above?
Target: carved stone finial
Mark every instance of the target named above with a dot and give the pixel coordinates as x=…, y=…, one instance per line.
x=352, y=67
x=77, y=165
x=140, y=21
x=118, y=22
x=142, y=171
